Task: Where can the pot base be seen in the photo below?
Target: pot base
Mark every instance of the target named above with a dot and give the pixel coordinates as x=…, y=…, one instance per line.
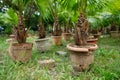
x=81, y=61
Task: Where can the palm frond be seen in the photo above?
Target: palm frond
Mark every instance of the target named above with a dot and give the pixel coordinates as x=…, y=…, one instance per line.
x=10, y=18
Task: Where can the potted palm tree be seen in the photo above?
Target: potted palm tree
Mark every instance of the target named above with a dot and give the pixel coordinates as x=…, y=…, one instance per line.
x=95, y=25
x=20, y=51
x=42, y=43
x=56, y=32
x=81, y=51
x=114, y=30
x=114, y=19
x=65, y=17
x=66, y=32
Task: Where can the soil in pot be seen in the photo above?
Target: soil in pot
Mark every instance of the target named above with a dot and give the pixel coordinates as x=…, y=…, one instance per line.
x=43, y=44
x=81, y=56
x=57, y=40
x=20, y=52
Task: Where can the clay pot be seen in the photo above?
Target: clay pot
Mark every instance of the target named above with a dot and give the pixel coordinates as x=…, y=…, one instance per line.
x=114, y=34
x=97, y=35
x=66, y=36
x=20, y=52
x=42, y=44
x=81, y=56
x=94, y=41
x=12, y=36
x=57, y=40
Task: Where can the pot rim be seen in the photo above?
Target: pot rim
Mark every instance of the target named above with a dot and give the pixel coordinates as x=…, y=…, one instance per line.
x=94, y=39
x=81, y=49
x=57, y=36
x=43, y=39
x=66, y=33
x=22, y=46
x=114, y=31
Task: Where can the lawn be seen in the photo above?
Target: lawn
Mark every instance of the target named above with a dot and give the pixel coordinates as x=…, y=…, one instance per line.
x=106, y=64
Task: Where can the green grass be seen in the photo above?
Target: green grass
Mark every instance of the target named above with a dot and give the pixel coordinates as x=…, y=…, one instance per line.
x=106, y=64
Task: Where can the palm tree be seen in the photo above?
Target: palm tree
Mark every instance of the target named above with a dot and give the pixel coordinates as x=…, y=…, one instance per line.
x=65, y=21
x=21, y=32
x=80, y=50
x=83, y=8
x=42, y=43
x=56, y=32
x=42, y=6
x=17, y=50
x=53, y=8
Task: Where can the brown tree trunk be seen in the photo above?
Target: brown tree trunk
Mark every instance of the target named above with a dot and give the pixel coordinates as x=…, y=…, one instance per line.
x=81, y=30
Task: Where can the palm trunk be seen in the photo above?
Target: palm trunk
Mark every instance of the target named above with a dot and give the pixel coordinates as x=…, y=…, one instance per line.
x=21, y=33
x=81, y=31
x=41, y=30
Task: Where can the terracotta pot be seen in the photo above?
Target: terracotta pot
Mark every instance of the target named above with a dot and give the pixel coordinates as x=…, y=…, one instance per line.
x=12, y=36
x=20, y=52
x=94, y=41
x=97, y=35
x=114, y=34
x=82, y=56
x=66, y=36
x=42, y=44
x=57, y=40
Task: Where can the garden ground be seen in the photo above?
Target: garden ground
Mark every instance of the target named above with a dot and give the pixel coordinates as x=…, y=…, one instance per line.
x=106, y=64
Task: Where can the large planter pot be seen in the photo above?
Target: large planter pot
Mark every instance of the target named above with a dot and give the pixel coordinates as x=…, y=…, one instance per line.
x=12, y=36
x=42, y=44
x=20, y=52
x=114, y=34
x=96, y=35
x=57, y=40
x=94, y=41
x=66, y=36
x=82, y=56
